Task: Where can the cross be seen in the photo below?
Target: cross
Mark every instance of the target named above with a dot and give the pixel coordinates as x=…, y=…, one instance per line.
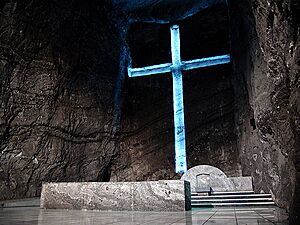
x=176, y=67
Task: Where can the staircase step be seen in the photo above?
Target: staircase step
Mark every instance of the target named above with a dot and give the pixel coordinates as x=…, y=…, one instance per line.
x=236, y=198
x=232, y=196
x=233, y=204
x=226, y=193
x=232, y=200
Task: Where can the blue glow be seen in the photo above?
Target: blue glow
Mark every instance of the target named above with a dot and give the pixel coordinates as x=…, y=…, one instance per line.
x=149, y=70
x=175, y=45
x=179, y=128
x=205, y=62
x=176, y=68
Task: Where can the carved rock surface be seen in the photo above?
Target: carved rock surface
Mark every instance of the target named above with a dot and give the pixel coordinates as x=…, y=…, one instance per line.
x=167, y=195
x=58, y=67
x=265, y=47
x=147, y=141
x=59, y=63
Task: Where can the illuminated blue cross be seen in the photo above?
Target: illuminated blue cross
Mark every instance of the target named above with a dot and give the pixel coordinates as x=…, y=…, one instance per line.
x=176, y=67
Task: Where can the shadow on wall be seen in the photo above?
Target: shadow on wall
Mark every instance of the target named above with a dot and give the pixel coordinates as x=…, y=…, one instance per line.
x=265, y=48
x=59, y=63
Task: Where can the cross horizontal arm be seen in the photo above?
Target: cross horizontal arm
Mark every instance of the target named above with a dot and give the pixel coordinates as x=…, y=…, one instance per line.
x=149, y=70
x=211, y=61
x=186, y=65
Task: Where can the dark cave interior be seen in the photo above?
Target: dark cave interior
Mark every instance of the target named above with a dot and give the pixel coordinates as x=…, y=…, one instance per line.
x=150, y=42
x=60, y=64
x=208, y=96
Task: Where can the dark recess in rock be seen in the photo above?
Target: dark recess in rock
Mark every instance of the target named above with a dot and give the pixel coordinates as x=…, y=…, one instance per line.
x=58, y=71
x=147, y=117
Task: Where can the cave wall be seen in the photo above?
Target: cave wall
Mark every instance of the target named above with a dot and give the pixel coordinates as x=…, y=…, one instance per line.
x=58, y=67
x=147, y=141
x=265, y=48
x=59, y=62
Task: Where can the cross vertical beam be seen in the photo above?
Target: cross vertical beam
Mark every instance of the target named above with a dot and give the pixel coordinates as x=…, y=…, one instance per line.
x=176, y=67
x=179, y=128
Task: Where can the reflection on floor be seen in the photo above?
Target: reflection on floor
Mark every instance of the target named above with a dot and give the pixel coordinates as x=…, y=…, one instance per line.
x=16, y=214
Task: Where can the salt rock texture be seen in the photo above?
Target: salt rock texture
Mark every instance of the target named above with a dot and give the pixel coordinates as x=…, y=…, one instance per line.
x=63, y=85
x=266, y=63
x=146, y=148
x=58, y=70
x=163, y=195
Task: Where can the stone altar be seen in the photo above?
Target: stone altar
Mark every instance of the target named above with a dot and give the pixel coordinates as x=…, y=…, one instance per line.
x=163, y=195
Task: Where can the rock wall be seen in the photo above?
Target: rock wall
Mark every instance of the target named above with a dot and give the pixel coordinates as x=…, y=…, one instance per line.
x=147, y=142
x=58, y=67
x=59, y=76
x=265, y=47
x=59, y=63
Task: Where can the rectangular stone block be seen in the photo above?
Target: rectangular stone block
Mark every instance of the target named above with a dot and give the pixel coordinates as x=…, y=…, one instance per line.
x=242, y=183
x=163, y=195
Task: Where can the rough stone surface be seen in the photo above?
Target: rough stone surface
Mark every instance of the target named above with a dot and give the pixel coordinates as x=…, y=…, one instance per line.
x=58, y=69
x=59, y=63
x=216, y=179
x=242, y=183
x=167, y=195
x=265, y=48
x=147, y=145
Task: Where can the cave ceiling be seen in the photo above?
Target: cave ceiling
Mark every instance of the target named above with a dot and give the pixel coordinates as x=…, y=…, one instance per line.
x=162, y=11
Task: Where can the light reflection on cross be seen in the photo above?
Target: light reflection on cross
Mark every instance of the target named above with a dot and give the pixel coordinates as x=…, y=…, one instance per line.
x=176, y=67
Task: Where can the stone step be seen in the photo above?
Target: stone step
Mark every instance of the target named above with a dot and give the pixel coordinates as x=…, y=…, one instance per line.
x=225, y=193
x=251, y=204
x=238, y=198
x=232, y=196
x=232, y=200
x=27, y=202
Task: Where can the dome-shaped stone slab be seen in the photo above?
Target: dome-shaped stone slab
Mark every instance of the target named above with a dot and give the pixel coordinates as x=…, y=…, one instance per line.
x=205, y=178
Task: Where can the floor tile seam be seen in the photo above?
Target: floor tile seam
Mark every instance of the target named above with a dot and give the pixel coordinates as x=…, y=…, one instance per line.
x=180, y=220
x=150, y=221
x=194, y=212
x=210, y=217
x=159, y=219
x=264, y=217
x=147, y=222
x=206, y=211
x=236, y=219
x=176, y=221
x=141, y=223
x=252, y=209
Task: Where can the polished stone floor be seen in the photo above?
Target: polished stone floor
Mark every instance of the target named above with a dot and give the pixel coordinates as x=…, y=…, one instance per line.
x=17, y=214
